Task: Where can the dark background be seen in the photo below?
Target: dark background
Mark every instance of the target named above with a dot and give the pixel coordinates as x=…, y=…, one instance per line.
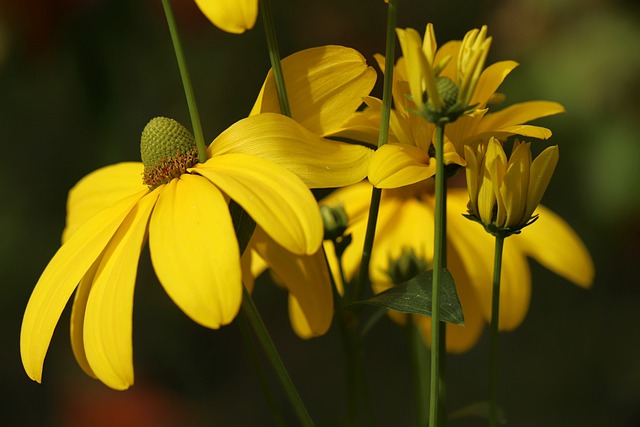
x=79, y=79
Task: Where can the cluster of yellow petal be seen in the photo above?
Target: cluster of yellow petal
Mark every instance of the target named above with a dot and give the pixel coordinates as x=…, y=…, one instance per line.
x=266, y=163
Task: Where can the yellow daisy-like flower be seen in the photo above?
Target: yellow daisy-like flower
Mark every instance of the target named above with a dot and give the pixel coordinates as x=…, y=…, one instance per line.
x=185, y=216
x=405, y=223
x=232, y=16
x=326, y=85
x=407, y=158
x=193, y=247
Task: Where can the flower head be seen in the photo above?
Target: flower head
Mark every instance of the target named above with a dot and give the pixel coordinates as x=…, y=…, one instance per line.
x=232, y=16
x=404, y=244
x=407, y=158
x=439, y=98
x=504, y=193
x=183, y=209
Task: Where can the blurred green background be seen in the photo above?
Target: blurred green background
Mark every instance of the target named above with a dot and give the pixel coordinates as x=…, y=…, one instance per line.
x=79, y=79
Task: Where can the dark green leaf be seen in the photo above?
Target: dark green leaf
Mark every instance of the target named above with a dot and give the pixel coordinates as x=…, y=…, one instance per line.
x=414, y=297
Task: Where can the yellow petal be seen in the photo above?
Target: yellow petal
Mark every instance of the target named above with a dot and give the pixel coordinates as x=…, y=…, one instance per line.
x=319, y=162
x=472, y=172
x=397, y=165
x=459, y=338
x=61, y=277
x=402, y=224
x=518, y=114
x=515, y=287
x=542, y=169
x=325, y=85
x=101, y=189
x=109, y=310
x=516, y=184
x=232, y=16
x=195, y=252
x=78, y=311
x=554, y=244
x=307, y=278
x=489, y=81
x=275, y=198
x=537, y=132
x=416, y=65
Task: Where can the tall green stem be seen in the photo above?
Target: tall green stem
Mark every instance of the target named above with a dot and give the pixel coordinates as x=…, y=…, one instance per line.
x=438, y=266
x=274, y=56
x=495, y=315
x=383, y=136
x=186, y=82
x=272, y=354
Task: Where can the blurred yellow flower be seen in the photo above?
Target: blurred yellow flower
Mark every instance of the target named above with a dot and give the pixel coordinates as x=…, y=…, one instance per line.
x=405, y=223
x=232, y=16
x=504, y=194
x=407, y=159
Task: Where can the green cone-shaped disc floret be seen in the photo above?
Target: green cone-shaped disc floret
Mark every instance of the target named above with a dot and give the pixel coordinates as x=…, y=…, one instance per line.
x=167, y=149
x=163, y=138
x=448, y=91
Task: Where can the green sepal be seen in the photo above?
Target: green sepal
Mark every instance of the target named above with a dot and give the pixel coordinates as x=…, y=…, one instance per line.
x=500, y=232
x=414, y=297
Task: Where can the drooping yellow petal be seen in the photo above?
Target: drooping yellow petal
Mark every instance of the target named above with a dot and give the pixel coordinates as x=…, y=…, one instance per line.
x=325, y=85
x=459, y=338
x=78, y=311
x=195, y=252
x=473, y=174
x=397, y=165
x=109, y=311
x=61, y=277
x=276, y=199
x=232, y=16
x=101, y=189
x=518, y=114
x=307, y=279
x=515, y=287
x=319, y=162
x=554, y=244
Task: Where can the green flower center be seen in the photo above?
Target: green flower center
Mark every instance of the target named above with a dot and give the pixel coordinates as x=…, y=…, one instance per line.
x=406, y=267
x=448, y=91
x=167, y=149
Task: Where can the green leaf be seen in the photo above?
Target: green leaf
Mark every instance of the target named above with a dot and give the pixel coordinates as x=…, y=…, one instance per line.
x=414, y=297
x=243, y=224
x=477, y=409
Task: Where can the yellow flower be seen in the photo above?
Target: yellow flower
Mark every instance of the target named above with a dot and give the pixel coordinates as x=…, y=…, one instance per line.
x=504, y=194
x=326, y=85
x=446, y=98
x=406, y=159
x=405, y=223
x=191, y=237
x=232, y=16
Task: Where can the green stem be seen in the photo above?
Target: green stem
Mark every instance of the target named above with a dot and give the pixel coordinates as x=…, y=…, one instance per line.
x=250, y=345
x=272, y=354
x=438, y=266
x=186, y=82
x=419, y=371
x=274, y=56
x=495, y=315
x=383, y=136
